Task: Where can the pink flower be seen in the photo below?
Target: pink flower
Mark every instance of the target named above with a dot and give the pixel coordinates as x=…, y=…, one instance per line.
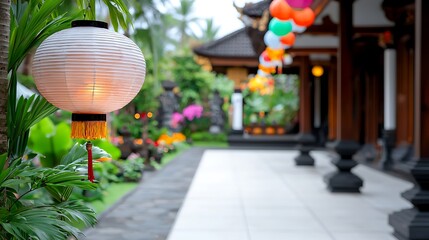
x=193, y=111
x=176, y=119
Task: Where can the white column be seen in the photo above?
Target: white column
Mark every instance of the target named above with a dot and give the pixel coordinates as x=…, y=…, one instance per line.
x=389, y=89
x=237, y=111
x=317, y=120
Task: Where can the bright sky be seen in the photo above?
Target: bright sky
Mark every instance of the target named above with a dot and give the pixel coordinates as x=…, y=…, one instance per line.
x=222, y=11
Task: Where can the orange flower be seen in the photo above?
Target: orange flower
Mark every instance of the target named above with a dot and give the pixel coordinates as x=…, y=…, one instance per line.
x=138, y=141
x=178, y=137
x=165, y=139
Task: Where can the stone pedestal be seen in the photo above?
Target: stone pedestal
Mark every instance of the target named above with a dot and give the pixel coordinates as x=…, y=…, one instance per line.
x=343, y=180
x=389, y=142
x=304, y=158
x=413, y=224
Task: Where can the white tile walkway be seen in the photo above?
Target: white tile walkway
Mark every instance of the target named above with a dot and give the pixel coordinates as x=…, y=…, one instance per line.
x=262, y=195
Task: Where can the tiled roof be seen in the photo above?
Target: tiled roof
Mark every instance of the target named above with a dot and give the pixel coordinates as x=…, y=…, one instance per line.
x=256, y=9
x=234, y=45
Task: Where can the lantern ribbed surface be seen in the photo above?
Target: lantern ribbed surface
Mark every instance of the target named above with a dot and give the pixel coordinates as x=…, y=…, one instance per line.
x=88, y=70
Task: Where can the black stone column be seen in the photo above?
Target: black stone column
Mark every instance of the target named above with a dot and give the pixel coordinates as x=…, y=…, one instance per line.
x=413, y=224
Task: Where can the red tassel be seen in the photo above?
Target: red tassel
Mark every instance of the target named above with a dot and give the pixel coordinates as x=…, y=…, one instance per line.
x=90, y=168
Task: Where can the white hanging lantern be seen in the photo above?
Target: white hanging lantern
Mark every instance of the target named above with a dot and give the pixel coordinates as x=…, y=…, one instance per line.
x=89, y=71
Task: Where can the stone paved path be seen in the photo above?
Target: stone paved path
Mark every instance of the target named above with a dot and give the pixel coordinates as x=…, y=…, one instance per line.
x=262, y=195
x=252, y=195
x=149, y=212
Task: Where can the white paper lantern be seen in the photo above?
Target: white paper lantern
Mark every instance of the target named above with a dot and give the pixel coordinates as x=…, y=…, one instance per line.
x=287, y=59
x=89, y=71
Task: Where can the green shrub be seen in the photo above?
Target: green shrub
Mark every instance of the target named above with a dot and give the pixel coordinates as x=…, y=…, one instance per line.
x=208, y=137
x=51, y=141
x=132, y=169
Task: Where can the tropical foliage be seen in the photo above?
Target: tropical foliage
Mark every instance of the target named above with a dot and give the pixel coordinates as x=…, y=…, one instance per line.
x=35, y=202
x=193, y=81
x=43, y=173
x=278, y=107
x=24, y=215
x=209, y=31
x=51, y=141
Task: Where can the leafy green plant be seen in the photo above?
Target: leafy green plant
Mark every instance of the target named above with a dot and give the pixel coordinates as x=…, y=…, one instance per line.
x=279, y=108
x=132, y=169
x=107, y=146
x=193, y=81
x=118, y=12
x=53, y=219
x=51, y=141
x=104, y=173
x=208, y=137
x=124, y=120
x=223, y=85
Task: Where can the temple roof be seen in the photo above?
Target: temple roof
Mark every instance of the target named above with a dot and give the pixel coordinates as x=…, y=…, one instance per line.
x=239, y=45
x=256, y=9
x=233, y=45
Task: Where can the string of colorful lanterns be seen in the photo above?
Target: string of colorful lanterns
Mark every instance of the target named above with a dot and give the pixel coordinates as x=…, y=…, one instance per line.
x=289, y=17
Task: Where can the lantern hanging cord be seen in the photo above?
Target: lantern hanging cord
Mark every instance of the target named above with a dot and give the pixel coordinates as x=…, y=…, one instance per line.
x=90, y=167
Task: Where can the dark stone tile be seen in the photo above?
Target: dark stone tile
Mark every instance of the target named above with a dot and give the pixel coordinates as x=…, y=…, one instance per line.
x=150, y=211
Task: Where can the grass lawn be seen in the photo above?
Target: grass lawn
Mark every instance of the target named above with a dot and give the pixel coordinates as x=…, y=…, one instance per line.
x=113, y=193
x=210, y=144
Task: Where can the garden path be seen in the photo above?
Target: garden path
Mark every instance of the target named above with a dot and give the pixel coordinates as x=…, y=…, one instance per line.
x=262, y=195
x=252, y=195
x=148, y=213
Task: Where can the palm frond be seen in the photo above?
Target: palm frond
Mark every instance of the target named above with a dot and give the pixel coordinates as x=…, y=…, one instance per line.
x=78, y=155
x=35, y=223
x=76, y=212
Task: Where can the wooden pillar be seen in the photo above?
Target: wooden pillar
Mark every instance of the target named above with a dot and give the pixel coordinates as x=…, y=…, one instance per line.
x=304, y=97
x=421, y=86
x=344, y=180
x=305, y=136
x=413, y=224
x=332, y=98
x=405, y=94
x=345, y=130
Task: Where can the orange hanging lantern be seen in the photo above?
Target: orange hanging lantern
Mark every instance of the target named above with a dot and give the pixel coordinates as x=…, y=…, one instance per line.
x=304, y=17
x=288, y=39
x=267, y=69
x=89, y=71
x=275, y=54
x=280, y=9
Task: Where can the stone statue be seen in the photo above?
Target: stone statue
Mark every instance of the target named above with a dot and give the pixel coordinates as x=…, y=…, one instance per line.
x=217, y=117
x=169, y=103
